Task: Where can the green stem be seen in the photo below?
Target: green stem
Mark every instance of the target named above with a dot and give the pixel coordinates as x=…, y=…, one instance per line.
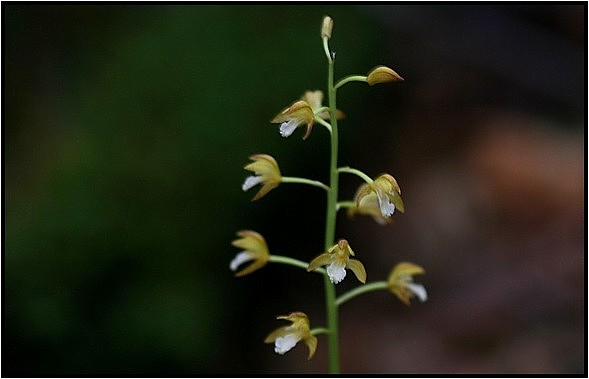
x=376, y=286
x=316, y=331
x=293, y=262
x=323, y=122
x=351, y=78
x=321, y=110
x=346, y=204
x=331, y=307
x=326, y=50
x=292, y=179
x=356, y=172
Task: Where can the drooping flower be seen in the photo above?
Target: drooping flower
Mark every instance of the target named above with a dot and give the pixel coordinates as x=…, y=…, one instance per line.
x=388, y=196
x=382, y=74
x=254, y=249
x=337, y=259
x=369, y=206
x=286, y=337
x=400, y=282
x=299, y=113
x=267, y=173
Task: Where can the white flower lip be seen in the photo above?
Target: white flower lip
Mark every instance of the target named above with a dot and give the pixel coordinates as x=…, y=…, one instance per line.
x=336, y=272
x=239, y=259
x=287, y=128
x=418, y=290
x=284, y=344
x=251, y=181
x=386, y=207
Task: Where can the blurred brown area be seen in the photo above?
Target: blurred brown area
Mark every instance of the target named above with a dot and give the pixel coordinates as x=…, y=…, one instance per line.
x=500, y=230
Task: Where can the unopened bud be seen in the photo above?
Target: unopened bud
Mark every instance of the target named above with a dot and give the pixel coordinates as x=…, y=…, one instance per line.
x=382, y=74
x=326, y=27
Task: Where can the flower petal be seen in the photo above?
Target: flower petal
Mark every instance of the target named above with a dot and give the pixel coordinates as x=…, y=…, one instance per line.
x=251, y=181
x=284, y=344
x=256, y=265
x=358, y=269
x=403, y=269
x=288, y=127
x=418, y=290
x=280, y=332
x=251, y=241
x=363, y=191
x=298, y=110
x=313, y=98
x=398, y=202
x=239, y=259
x=311, y=343
x=264, y=165
x=320, y=260
x=264, y=190
x=386, y=207
x=336, y=272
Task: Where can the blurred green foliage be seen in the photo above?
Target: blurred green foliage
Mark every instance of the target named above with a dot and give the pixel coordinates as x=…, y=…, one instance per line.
x=126, y=129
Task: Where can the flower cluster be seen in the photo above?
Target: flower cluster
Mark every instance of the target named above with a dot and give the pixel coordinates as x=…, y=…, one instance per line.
x=378, y=198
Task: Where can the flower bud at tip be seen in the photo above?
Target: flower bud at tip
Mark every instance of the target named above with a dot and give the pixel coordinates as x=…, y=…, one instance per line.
x=382, y=74
x=326, y=27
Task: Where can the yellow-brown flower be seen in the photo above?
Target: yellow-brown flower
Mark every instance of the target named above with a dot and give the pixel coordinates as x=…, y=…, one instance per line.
x=267, y=173
x=299, y=113
x=384, y=192
x=254, y=249
x=286, y=337
x=401, y=284
x=337, y=259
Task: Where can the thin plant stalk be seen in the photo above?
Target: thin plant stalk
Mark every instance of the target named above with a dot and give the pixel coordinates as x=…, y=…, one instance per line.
x=330, y=299
x=376, y=286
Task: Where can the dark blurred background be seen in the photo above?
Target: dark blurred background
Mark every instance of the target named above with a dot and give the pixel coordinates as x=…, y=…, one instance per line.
x=125, y=132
